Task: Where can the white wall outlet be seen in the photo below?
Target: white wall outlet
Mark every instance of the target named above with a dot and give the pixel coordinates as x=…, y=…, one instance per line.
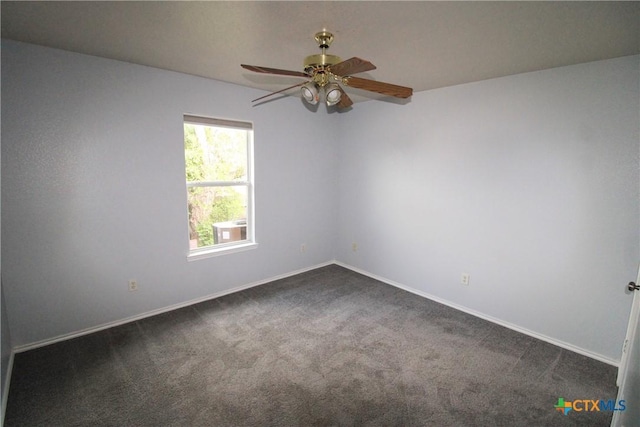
x=303, y=248
x=464, y=279
x=354, y=247
x=133, y=285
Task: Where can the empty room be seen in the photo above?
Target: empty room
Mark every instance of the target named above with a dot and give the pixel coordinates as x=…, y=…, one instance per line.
x=320, y=213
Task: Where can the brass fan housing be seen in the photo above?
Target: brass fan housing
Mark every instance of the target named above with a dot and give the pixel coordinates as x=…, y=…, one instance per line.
x=320, y=61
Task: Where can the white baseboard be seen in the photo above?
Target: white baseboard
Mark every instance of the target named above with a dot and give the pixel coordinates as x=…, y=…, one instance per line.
x=497, y=321
x=500, y=322
x=71, y=335
x=5, y=389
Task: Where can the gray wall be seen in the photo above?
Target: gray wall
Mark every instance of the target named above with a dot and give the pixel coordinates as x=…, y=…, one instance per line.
x=529, y=183
x=94, y=194
x=5, y=337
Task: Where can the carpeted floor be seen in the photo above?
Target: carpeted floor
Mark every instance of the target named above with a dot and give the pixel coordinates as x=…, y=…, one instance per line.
x=326, y=347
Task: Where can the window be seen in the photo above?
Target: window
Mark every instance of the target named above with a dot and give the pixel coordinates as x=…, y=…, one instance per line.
x=219, y=175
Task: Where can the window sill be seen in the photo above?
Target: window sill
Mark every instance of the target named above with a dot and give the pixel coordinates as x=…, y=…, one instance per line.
x=208, y=253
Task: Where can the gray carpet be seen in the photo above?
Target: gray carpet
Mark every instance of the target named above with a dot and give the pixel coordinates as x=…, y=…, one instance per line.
x=326, y=347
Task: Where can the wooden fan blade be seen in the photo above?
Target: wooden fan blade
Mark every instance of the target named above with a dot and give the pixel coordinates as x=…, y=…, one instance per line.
x=380, y=87
x=279, y=91
x=267, y=70
x=345, y=101
x=351, y=66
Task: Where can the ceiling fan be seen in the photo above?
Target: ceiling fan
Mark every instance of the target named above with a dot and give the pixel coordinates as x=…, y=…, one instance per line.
x=326, y=72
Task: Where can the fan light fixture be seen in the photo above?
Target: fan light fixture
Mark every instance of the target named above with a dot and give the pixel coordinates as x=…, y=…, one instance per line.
x=310, y=93
x=332, y=94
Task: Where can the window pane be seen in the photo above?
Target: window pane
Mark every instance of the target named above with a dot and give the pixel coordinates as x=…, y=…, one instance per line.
x=217, y=215
x=219, y=178
x=215, y=153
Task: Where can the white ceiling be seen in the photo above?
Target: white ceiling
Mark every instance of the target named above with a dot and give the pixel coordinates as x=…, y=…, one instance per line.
x=423, y=45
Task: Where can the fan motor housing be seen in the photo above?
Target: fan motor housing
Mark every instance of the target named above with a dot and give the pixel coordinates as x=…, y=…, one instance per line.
x=320, y=61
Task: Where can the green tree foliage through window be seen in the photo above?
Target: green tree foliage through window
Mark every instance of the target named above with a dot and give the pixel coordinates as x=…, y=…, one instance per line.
x=216, y=166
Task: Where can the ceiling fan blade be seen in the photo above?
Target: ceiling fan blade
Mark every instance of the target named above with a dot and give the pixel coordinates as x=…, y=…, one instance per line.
x=345, y=101
x=279, y=91
x=267, y=70
x=380, y=87
x=351, y=66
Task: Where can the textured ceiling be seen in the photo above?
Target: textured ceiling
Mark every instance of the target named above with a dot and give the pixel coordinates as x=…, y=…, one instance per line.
x=424, y=45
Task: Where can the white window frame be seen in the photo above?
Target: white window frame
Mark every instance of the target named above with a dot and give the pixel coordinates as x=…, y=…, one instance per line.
x=229, y=247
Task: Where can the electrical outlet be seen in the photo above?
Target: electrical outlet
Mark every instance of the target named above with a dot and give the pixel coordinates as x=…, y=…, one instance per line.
x=464, y=279
x=303, y=248
x=354, y=247
x=133, y=285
